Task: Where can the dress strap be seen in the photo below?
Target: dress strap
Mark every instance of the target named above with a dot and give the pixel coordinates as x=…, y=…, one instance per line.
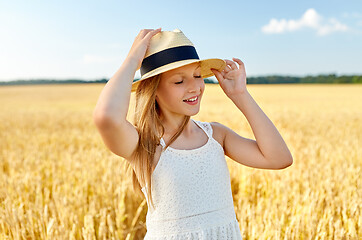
x=162, y=142
x=205, y=126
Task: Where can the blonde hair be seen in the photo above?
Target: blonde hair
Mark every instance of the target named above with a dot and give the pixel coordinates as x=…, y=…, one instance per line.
x=150, y=130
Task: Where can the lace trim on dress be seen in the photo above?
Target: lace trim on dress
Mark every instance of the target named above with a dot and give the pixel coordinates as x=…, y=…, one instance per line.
x=206, y=222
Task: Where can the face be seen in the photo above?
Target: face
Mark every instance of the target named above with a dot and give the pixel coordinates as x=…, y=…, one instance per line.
x=178, y=85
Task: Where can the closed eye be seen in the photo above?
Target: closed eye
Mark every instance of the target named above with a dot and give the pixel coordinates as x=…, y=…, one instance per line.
x=182, y=80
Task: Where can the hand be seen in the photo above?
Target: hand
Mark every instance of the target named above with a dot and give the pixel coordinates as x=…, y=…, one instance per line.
x=140, y=45
x=232, y=79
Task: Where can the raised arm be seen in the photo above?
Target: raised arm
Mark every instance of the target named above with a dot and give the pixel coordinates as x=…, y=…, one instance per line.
x=269, y=151
x=110, y=112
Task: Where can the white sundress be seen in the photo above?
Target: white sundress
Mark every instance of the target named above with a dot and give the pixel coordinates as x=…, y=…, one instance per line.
x=192, y=194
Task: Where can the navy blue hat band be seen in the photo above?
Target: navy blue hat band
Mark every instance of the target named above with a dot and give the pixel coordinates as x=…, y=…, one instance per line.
x=167, y=56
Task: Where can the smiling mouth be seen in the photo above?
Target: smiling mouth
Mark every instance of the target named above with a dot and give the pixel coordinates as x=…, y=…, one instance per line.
x=191, y=99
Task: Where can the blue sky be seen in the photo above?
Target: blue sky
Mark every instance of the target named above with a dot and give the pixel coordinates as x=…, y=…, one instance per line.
x=90, y=39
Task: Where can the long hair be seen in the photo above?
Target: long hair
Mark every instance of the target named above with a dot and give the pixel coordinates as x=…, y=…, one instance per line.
x=150, y=130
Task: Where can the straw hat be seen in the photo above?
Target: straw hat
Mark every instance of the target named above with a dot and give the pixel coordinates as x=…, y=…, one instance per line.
x=172, y=49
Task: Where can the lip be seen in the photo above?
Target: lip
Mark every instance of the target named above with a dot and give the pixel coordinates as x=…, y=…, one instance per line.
x=194, y=102
x=192, y=97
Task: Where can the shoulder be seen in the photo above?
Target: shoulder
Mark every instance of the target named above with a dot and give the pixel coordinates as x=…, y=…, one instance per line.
x=219, y=132
x=217, y=129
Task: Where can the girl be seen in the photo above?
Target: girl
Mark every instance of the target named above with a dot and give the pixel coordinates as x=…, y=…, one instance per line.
x=179, y=163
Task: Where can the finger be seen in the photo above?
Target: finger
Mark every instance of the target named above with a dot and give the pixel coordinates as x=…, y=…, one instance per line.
x=143, y=32
x=227, y=69
x=231, y=64
x=152, y=33
x=218, y=75
x=146, y=30
x=241, y=64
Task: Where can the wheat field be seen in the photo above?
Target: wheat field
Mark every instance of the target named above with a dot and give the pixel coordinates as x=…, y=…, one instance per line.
x=59, y=181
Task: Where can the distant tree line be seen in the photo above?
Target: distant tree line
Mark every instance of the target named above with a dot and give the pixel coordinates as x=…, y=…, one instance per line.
x=273, y=79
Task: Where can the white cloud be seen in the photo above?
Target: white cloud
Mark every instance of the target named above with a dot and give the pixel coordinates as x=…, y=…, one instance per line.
x=310, y=19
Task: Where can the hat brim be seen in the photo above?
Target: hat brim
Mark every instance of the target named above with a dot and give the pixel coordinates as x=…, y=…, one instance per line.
x=206, y=65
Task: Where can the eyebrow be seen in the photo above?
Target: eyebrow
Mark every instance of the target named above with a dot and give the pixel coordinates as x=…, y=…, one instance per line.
x=182, y=73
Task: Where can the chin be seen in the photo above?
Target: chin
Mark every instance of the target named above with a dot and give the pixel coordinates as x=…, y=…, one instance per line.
x=193, y=113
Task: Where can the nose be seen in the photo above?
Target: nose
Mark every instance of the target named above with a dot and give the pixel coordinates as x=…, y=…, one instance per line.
x=193, y=90
x=194, y=86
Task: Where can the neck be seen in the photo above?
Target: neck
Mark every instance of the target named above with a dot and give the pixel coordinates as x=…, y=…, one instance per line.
x=173, y=124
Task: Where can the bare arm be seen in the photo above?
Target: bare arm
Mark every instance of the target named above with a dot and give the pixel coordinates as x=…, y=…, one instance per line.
x=114, y=99
x=110, y=113
x=269, y=151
